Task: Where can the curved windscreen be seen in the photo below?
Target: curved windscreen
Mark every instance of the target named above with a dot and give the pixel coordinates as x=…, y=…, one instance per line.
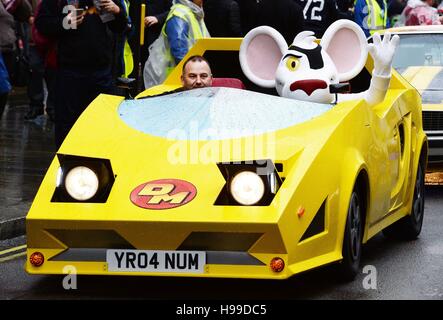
x=419, y=50
x=215, y=114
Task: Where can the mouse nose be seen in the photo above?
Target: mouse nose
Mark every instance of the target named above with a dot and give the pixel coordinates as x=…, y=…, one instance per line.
x=308, y=85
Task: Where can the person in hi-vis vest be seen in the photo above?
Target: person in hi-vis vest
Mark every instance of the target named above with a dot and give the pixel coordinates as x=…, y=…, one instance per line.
x=128, y=59
x=184, y=25
x=371, y=15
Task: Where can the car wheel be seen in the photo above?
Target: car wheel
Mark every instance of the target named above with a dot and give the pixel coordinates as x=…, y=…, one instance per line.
x=409, y=227
x=352, y=241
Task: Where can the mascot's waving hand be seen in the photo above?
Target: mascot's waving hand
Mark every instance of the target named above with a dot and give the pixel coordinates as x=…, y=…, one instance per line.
x=313, y=72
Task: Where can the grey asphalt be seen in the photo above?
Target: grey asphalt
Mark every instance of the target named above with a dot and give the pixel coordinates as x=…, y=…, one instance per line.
x=26, y=150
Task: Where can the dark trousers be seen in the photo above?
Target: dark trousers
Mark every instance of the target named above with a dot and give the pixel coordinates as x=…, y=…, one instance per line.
x=36, y=93
x=3, y=99
x=8, y=59
x=50, y=79
x=75, y=90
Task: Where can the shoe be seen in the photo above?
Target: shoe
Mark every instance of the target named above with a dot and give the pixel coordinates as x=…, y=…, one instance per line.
x=32, y=114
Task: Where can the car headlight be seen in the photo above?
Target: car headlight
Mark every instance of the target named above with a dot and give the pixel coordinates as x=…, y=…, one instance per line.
x=81, y=183
x=249, y=182
x=247, y=188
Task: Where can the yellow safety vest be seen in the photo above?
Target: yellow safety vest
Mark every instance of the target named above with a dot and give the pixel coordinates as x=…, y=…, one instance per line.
x=377, y=17
x=127, y=52
x=197, y=30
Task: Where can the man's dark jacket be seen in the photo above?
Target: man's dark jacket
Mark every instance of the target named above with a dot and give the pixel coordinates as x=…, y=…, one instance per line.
x=222, y=18
x=284, y=15
x=90, y=46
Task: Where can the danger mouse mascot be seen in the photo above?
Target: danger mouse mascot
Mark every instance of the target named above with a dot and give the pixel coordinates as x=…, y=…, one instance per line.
x=313, y=72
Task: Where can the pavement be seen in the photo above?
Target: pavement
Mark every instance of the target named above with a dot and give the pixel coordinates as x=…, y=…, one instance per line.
x=26, y=150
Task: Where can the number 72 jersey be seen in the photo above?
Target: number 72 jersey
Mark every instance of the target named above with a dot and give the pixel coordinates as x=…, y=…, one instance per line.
x=319, y=14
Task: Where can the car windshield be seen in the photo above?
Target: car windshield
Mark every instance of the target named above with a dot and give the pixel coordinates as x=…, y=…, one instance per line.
x=215, y=113
x=419, y=50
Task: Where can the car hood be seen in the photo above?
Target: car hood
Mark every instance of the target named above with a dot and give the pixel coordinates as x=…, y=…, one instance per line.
x=428, y=80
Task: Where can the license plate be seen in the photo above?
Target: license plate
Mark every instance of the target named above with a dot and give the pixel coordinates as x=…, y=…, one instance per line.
x=156, y=261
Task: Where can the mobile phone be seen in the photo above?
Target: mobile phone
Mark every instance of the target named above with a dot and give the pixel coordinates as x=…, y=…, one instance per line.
x=78, y=12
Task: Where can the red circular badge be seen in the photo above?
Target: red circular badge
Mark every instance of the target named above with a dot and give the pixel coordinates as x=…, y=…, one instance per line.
x=163, y=194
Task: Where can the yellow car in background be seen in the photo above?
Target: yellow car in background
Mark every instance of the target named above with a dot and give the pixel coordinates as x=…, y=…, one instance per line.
x=224, y=182
x=419, y=58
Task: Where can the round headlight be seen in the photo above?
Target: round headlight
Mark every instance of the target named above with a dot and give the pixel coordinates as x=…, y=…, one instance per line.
x=81, y=183
x=247, y=188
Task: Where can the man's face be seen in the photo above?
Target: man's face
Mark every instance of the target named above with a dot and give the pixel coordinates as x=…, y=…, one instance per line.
x=198, y=2
x=196, y=75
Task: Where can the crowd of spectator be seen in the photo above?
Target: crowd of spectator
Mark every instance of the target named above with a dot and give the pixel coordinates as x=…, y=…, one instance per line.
x=66, y=52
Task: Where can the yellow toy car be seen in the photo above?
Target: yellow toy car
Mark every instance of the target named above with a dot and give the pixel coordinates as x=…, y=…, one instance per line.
x=223, y=182
x=419, y=59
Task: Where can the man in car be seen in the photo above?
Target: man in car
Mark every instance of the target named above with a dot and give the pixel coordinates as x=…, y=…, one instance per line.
x=196, y=73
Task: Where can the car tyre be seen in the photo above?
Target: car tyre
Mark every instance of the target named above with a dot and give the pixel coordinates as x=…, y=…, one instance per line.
x=409, y=227
x=352, y=241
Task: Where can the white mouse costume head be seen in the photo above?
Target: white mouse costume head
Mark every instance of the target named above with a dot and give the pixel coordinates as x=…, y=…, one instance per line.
x=305, y=70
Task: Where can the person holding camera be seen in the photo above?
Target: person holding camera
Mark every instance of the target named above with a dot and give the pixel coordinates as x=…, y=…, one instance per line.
x=84, y=31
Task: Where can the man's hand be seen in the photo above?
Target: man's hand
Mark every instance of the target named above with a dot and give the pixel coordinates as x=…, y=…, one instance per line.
x=75, y=19
x=150, y=21
x=382, y=53
x=109, y=6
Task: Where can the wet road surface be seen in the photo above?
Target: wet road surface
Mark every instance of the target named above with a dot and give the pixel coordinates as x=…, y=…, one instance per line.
x=26, y=150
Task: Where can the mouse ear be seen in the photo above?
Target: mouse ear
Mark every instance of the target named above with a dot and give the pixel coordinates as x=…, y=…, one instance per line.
x=346, y=44
x=260, y=53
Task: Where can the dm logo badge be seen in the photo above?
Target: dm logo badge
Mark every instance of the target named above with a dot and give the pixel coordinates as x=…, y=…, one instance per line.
x=163, y=194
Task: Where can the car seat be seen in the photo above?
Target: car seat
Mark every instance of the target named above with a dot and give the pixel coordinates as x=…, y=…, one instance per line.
x=228, y=83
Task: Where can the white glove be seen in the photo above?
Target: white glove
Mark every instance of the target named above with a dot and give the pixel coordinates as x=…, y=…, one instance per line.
x=382, y=53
